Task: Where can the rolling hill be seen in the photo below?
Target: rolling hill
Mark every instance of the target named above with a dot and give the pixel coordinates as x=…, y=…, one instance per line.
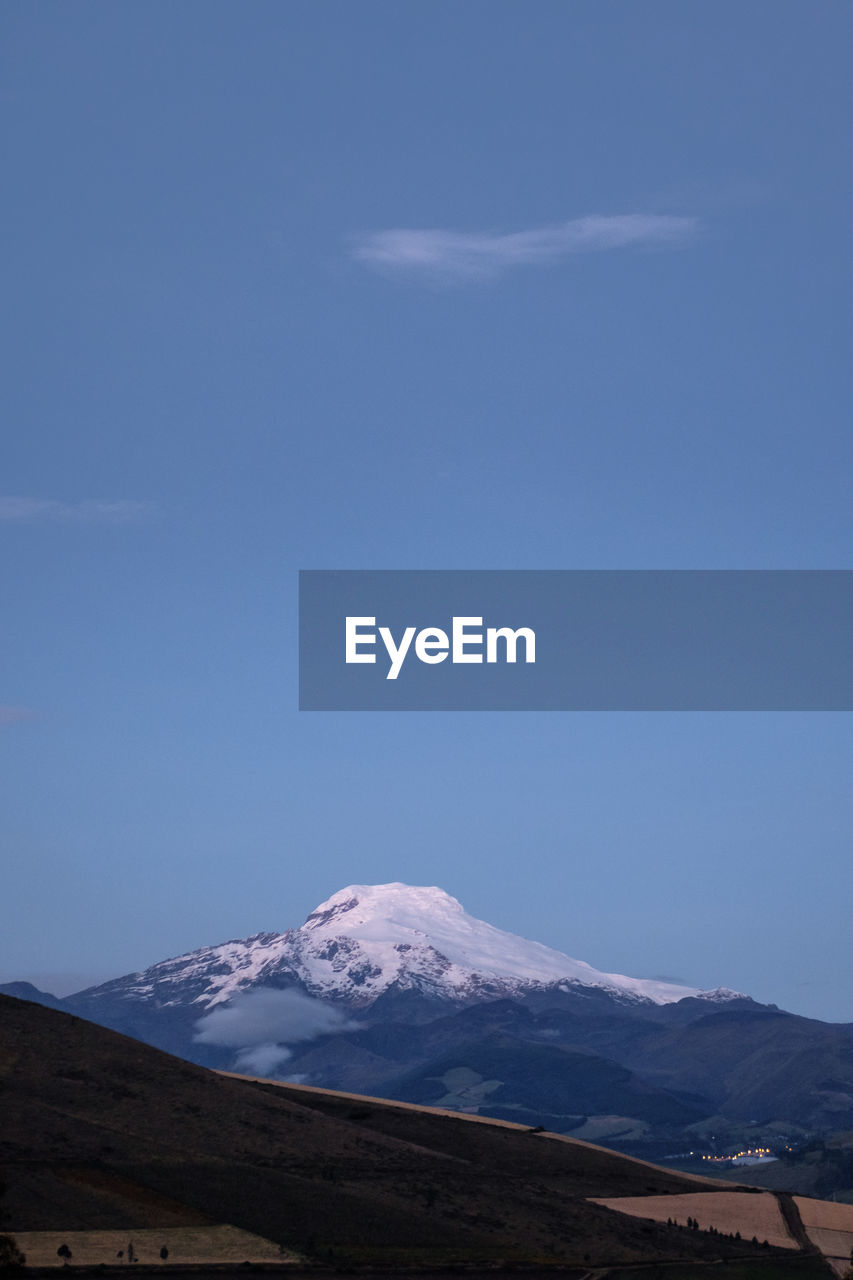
x=100, y=1132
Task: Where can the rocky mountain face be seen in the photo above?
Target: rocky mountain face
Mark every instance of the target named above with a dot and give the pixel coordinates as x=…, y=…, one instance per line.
x=367, y=941
x=381, y=953
x=397, y=991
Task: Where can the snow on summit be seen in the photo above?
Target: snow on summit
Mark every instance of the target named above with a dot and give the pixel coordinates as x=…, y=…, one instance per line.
x=402, y=928
x=367, y=939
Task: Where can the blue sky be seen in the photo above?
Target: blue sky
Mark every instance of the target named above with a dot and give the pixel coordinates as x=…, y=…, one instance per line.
x=382, y=285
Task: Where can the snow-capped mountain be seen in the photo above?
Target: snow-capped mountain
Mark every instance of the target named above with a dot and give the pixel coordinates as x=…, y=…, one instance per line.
x=367, y=940
x=398, y=992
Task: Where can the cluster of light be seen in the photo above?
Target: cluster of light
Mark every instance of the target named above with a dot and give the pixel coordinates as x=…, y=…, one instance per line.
x=738, y=1155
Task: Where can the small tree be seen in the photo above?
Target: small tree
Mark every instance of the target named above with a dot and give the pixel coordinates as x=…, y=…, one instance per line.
x=164, y=1253
x=11, y=1258
x=64, y=1253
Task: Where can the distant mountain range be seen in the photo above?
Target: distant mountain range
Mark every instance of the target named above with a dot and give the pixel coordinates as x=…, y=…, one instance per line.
x=396, y=991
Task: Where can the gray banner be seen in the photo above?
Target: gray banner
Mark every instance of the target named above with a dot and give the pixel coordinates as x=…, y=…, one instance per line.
x=576, y=640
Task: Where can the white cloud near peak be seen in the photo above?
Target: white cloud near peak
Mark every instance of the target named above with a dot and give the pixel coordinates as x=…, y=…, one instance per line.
x=268, y=1016
x=450, y=256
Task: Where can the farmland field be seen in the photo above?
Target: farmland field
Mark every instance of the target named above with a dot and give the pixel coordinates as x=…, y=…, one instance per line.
x=215, y=1244
x=830, y=1227
x=728, y=1211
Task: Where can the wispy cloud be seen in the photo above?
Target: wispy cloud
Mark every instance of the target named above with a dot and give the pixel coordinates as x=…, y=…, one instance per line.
x=14, y=715
x=262, y=1023
x=450, y=256
x=262, y=1059
x=89, y=511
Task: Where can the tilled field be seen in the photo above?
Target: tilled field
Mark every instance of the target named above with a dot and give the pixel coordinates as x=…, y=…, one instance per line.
x=728, y=1211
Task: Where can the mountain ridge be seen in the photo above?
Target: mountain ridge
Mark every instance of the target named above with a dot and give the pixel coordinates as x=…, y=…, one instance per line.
x=395, y=990
x=366, y=939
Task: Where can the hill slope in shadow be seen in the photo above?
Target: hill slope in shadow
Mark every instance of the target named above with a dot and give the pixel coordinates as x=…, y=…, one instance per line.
x=97, y=1130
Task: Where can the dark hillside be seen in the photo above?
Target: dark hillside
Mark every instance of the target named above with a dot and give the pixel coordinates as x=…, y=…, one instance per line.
x=97, y=1130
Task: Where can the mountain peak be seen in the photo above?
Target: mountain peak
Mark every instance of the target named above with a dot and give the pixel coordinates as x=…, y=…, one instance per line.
x=399, y=902
x=366, y=937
